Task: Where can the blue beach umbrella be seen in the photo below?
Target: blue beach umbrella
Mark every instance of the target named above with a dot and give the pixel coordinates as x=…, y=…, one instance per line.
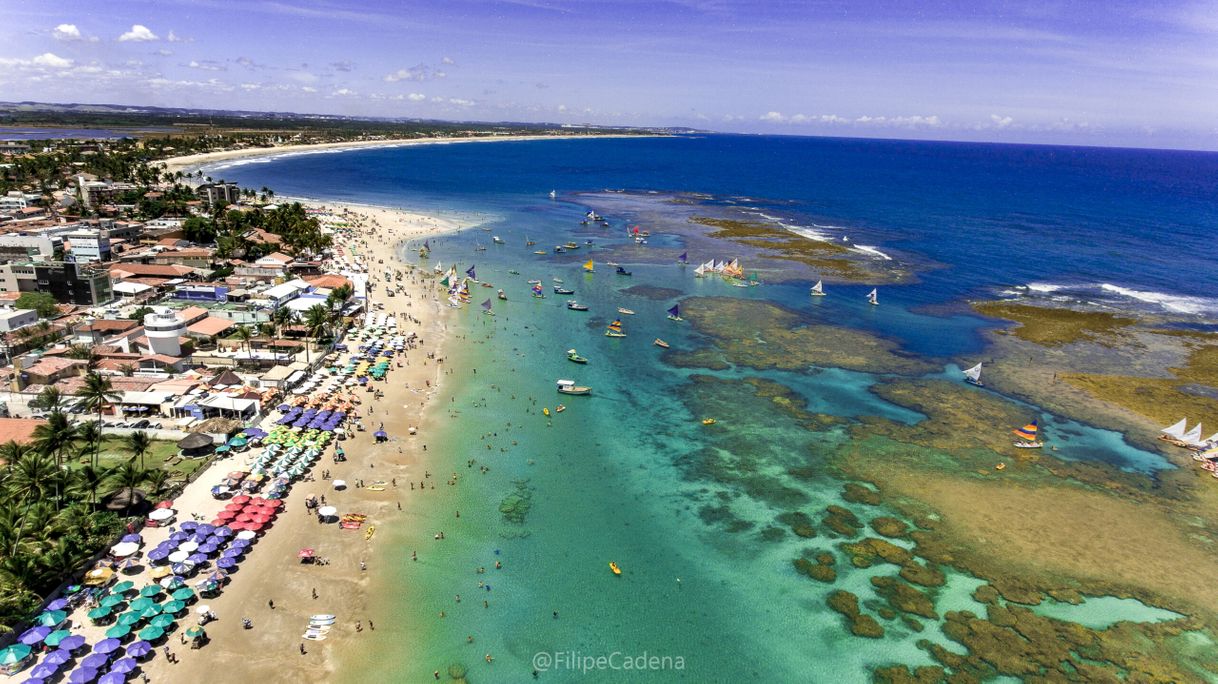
x=107, y=646
x=95, y=661
x=58, y=657
x=139, y=649
x=124, y=665
x=112, y=677
x=34, y=635
x=82, y=675
x=72, y=643
x=45, y=670
x=58, y=604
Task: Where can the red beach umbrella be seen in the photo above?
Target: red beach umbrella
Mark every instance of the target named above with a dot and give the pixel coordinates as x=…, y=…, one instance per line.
x=217, y=522
x=164, y=504
x=274, y=503
x=240, y=499
x=234, y=507
x=261, y=519
x=226, y=515
x=243, y=518
x=254, y=527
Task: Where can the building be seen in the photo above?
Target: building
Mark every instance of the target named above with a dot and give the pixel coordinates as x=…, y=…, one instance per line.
x=219, y=193
x=17, y=318
x=13, y=201
x=201, y=292
x=280, y=294
x=90, y=244
x=71, y=283
x=26, y=246
x=94, y=193
x=163, y=328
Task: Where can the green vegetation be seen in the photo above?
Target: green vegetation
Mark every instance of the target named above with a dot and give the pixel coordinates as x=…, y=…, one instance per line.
x=1052, y=327
x=41, y=302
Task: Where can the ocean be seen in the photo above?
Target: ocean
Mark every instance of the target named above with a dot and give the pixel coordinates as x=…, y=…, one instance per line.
x=630, y=474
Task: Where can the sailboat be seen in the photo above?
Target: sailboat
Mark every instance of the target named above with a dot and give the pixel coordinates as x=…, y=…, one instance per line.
x=700, y=271
x=589, y=267
x=502, y=296
x=674, y=314
x=1174, y=433
x=683, y=259
x=873, y=298
x=486, y=308
x=537, y=291
x=818, y=290
x=1192, y=438
x=973, y=375
x=1028, y=435
x=497, y=240
x=615, y=329
x=553, y=194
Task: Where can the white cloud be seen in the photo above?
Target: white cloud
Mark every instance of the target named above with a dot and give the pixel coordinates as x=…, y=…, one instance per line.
x=344, y=92
x=447, y=60
x=562, y=107
x=416, y=97
x=50, y=59
x=418, y=72
x=308, y=89
x=460, y=102
x=205, y=65
x=247, y=87
x=164, y=53
x=138, y=34
x=67, y=32
x=1001, y=121
x=773, y=117
x=175, y=38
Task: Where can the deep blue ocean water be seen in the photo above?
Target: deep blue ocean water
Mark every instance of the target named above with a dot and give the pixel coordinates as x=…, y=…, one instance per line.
x=623, y=475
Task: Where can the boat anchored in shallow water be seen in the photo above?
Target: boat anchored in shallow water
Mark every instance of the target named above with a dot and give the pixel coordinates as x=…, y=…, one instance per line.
x=1029, y=436
x=502, y=296
x=627, y=312
x=973, y=376
x=818, y=290
x=497, y=240
x=674, y=314
x=660, y=343
x=615, y=329
x=622, y=271
x=569, y=387
x=572, y=355
x=873, y=298
x=563, y=291
x=576, y=306
x=613, y=567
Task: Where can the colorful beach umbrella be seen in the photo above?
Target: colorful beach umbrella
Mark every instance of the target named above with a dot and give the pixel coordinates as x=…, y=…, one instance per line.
x=162, y=621
x=139, y=649
x=124, y=665
x=58, y=604
x=99, y=613
x=11, y=655
x=82, y=675
x=55, y=638
x=112, y=677
x=118, y=631
x=34, y=635
x=50, y=618
x=72, y=643
x=150, y=591
x=109, y=645
x=151, y=633
x=195, y=632
x=44, y=670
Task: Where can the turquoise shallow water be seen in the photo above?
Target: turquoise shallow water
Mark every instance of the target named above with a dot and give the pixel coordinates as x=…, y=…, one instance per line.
x=631, y=475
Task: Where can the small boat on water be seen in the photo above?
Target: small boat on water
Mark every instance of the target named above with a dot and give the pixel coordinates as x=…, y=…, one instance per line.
x=546, y=412
x=569, y=387
x=660, y=343
x=1029, y=436
x=575, y=357
x=708, y=421
x=486, y=308
x=576, y=306
x=537, y=292
x=563, y=291
x=513, y=272
x=558, y=249
x=674, y=314
x=628, y=312
x=541, y=252
x=873, y=298
x=480, y=248
x=973, y=376
x=613, y=567
x=571, y=245
x=818, y=290
x=589, y=267
x=497, y=240
x=622, y=271
x=502, y=296
x=557, y=280
x=611, y=263
x=560, y=408
x=553, y=194
x=615, y=329
x=528, y=242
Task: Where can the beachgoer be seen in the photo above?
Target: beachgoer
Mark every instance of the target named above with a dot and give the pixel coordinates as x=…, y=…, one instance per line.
x=271, y=604
x=302, y=648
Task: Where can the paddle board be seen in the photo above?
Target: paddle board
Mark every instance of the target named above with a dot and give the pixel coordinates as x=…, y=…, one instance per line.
x=323, y=617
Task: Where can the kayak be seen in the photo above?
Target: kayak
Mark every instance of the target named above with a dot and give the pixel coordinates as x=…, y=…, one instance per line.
x=614, y=568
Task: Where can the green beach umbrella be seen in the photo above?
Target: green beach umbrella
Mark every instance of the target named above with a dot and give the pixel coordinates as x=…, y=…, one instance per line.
x=150, y=591
x=129, y=619
x=173, y=607
x=183, y=594
x=55, y=637
x=151, y=633
x=151, y=611
x=140, y=604
x=50, y=618
x=14, y=654
x=195, y=632
x=122, y=587
x=99, y=613
x=118, y=631
x=111, y=601
x=162, y=621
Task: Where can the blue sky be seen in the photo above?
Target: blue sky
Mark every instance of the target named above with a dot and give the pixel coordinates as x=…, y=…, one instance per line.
x=1100, y=73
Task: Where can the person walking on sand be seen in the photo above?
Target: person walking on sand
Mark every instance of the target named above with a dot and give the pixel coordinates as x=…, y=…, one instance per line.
x=302, y=648
x=270, y=603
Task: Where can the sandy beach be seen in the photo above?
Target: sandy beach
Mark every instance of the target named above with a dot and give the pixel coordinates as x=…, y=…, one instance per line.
x=271, y=651
x=194, y=161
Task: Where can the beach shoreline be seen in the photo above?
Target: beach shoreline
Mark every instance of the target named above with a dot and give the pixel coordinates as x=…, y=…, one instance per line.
x=193, y=162
x=272, y=649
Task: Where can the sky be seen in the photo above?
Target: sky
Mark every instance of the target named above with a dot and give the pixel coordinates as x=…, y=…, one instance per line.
x=1113, y=73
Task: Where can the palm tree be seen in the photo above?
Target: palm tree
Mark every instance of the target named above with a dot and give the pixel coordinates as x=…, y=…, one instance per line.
x=243, y=334
x=156, y=480
x=317, y=320
x=128, y=477
x=139, y=443
x=90, y=434
x=49, y=399
x=53, y=439
x=29, y=473
x=90, y=479
x=96, y=393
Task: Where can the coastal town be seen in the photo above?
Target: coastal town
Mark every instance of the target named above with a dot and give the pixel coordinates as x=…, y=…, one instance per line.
x=180, y=354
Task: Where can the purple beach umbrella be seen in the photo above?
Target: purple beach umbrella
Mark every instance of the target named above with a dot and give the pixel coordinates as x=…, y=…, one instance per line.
x=139, y=649
x=82, y=675
x=35, y=635
x=223, y=531
x=157, y=555
x=112, y=678
x=44, y=670
x=197, y=558
x=189, y=525
x=124, y=665
x=107, y=646
x=233, y=552
x=205, y=528
x=58, y=656
x=71, y=643
x=57, y=604
x=180, y=535
x=182, y=569
x=132, y=538
x=95, y=661
x=226, y=563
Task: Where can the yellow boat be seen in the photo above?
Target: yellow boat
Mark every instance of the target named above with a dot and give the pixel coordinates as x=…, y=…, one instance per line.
x=613, y=567
x=708, y=421
x=545, y=411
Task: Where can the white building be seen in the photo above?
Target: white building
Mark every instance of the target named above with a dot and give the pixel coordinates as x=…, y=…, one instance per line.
x=89, y=245
x=163, y=328
x=17, y=318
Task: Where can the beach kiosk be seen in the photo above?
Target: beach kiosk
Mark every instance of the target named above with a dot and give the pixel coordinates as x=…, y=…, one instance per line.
x=197, y=445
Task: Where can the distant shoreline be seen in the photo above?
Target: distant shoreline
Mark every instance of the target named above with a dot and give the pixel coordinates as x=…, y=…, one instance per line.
x=192, y=162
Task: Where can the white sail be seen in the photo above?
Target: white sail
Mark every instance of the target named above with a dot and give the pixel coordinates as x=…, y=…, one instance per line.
x=818, y=288
x=1192, y=436
x=973, y=373
x=1212, y=439
x=1176, y=431
x=873, y=297
x=700, y=270
x=439, y=267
